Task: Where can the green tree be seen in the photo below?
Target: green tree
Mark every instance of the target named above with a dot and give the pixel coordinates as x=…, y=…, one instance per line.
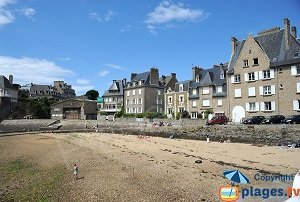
x=92, y=94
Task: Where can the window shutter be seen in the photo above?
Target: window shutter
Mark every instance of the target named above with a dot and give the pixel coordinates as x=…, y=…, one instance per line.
x=247, y=107
x=251, y=91
x=256, y=75
x=298, y=87
x=261, y=90
x=260, y=75
x=273, y=89
x=232, y=79
x=246, y=78
x=262, y=106
x=273, y=106
x=257, y=106
x=293, y=70
x=295, y=104
x=272, y=73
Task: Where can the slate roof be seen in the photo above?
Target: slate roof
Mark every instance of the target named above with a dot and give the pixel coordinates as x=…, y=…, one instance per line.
x=273, y=44
x=115, y=89
x=142, y=76
x=38, y=88
x=4, y=82
x=186, y=85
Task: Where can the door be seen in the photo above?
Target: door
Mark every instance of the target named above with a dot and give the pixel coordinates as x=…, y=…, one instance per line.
x=238, y=112
x=72, y=114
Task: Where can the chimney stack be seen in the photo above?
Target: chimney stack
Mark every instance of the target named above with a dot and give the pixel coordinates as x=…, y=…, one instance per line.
x=154, y=76
x=287, y=33
x=197, y=71
x=173, y=75
x=163, y=78
x=233, y=44
x=132, y=76
x=11, y=79
x=124, y=81
x=294, y=32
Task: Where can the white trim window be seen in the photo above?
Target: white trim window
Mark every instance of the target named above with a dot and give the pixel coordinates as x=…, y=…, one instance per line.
x=252, y=107
x=140, y=100
x=251, y=76
x=267, y=90
x=205, y=103
x=180, y=87
x=266, y=74
x=205, y=90
x=219, y=89
x=251, y=92
x=298, y=87
x=128, y=93
x=158, y=92
x=267, y=106
x=295, y=70
x=170, y=99
x=140, y=91
x=194, y=115
x=219, y=102
x=194, y=91
x=133, y=92
x=236, y=78
x=296, y=105
x=237, y=92
x=245, y=63
x=194, y=103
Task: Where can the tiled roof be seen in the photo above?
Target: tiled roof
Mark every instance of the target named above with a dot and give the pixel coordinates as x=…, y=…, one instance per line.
x=273, y=44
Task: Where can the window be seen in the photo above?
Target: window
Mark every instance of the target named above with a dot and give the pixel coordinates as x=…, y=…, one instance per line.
x=140, y=101
x=194, y=115
x=298, y=87
x=170, y=99
x=268, y=106
x=252, y=106
x=267, y=90
x=280, y=86
x=246, y=63
x=296, y=105
x=237, y=92
x=220, y=102
x=219, y=89
x=205, y=103
x=181, y=98
x=128, y=93
x=194, y=91
x=295, y=70
x=140, y=110
x=251, y=76
x=181, y=109
x=237, y=78
x=133, y=92
x=180, y=87
x=205, y=90
x=266, y=74
x=159, y=101
x=158, y=92
x=133, y=101
x=194, y=104
x=133, y=110
x=251, y=91
x=221, y=74
x=140, y=91
x=255, y=61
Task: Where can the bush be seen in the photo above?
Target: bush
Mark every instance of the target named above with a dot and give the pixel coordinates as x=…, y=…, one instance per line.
x=208, y=111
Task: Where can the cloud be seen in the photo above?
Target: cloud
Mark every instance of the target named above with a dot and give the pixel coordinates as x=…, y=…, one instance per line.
x=81, y=90
x=126, y=29
x=168, y=12
x=27, y=12
x=6, y=17
x=65, y=59
x=83, y=81
x=31, y=70
x=109, y=15
x=103, y=73
x=116, y=66
x=3, y=3
x=95, y=16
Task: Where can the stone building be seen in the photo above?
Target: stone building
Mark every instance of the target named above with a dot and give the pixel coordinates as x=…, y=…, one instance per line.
x=145, y=92
x=113, y=97
x=75, y=108
x=60, y=90
x=8, y=96
x=264, y=74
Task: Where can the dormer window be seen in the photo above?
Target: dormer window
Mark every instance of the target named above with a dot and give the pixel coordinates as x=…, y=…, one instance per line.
x=197, y=78
x=136, y=83
x=296, y=55
x=222, y=74
x=180, y=87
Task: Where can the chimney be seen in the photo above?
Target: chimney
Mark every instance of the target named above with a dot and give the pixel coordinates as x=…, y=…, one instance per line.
x=197, y=71
x=11, y=79
x=163, y=78
x=233, y=44
x=132, y=76
x=173, y=75
x=286, y=33
x=124, y=81
x=154, y=76
x=294, y=32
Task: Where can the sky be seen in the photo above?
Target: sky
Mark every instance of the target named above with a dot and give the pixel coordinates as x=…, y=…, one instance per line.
x=89, y=43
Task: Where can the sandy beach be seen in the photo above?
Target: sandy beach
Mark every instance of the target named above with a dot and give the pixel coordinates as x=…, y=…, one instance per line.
x=114, y=167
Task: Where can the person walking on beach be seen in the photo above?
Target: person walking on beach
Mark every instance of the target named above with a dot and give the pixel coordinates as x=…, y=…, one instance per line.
x=75, y=171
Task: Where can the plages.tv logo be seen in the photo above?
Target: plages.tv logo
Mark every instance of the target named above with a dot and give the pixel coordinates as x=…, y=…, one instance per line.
x=228, y=193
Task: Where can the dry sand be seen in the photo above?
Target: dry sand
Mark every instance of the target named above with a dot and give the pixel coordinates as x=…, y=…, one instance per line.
x=114, y=167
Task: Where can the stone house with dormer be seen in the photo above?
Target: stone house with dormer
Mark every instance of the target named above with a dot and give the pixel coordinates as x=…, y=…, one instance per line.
x=206, y=91
x=113, y=97
x=264, y=74
x=145, y=92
